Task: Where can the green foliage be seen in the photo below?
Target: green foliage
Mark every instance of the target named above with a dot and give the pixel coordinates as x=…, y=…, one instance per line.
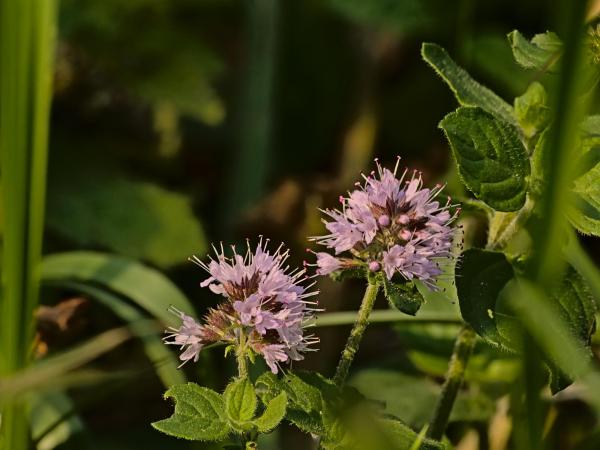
x=531, y=110
x=586, y=188
x=396, y=15
x=411, y=398
x=145, y=286
x=491, y=159
x=404, y=297
x=541, y=53
x=576, y=305
x=199, y=414
x=273, y=414
x=212, y=417
x=53, y=420
x=152, y=71
x=480, y=277
x=468, y=92
x=240, y=400
x=147, y=222
x=343, y=419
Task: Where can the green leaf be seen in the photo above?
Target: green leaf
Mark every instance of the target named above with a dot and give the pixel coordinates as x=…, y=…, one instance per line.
x=402, y=437
x=585, y=215
x=273, y=414
x=305, y=400
x=240, y=400
x=531, y=110
x=468, y=92
x=145, y=286
x=541, y=53
x=490, y=156
x=403, y=297
x=480, y=276
x=156, y=225
x=199, y=414
x=577, y=306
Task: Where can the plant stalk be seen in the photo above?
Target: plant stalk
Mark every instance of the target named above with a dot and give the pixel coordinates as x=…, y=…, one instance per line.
x=356, y=334
x=463, y=348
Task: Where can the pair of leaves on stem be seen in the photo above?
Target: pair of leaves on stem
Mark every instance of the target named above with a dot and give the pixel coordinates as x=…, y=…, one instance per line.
x=342, y=418
x=491, y=141
x=202, y=414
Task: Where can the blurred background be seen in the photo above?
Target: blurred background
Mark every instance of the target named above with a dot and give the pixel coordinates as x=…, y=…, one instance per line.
x=176, y=124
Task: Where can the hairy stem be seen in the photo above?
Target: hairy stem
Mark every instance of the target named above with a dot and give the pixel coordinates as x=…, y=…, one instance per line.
x=454, y=378
x=362, y=320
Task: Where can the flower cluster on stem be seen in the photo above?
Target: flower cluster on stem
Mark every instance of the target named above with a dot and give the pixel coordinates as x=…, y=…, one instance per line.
x=265, y=312
x=391, y=224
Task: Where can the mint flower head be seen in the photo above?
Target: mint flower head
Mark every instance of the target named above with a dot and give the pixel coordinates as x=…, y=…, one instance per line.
x=391, y=224
x=265, y=311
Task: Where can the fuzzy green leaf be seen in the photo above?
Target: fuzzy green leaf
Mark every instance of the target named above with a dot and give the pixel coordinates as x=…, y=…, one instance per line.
x=403, y=297
x=273, y=414
x=240, y=400
x=304, y=398
x=531, y=110
x=467, y=91
x=491, y=158
x=480, y=276
x=199, y=414
x=540, y=53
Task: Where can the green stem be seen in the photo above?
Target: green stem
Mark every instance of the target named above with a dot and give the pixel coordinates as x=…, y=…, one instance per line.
x=454, y=378
x=341, y=318
x=242, y=360
x=356, y=334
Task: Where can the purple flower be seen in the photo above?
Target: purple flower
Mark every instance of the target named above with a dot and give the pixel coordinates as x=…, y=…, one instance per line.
x=265, y=312
x=392, y=224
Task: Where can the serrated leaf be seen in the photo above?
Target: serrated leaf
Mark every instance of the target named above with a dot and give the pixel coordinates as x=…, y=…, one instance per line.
x=531, y=110
x=155, y=224
x=490, y=156
x=467, y=91
x=304, y=404
x=199, y=414
x=405, y=298
x=273, y=414
x=541, y=53
x=480, y=277
x=240, y=400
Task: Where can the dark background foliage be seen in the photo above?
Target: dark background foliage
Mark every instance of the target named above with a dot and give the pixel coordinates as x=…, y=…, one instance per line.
x=180, y=123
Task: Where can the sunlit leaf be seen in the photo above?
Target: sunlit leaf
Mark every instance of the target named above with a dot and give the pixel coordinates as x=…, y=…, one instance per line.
x=541, y=53
x=468, y=92
x=491, y=158
x=199, y=414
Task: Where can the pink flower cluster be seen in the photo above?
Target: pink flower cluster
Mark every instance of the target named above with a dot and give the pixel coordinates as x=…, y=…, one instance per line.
x=265, y=312
x=391, y=224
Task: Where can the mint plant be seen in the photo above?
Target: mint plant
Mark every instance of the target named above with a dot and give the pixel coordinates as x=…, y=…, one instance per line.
x=400, y=238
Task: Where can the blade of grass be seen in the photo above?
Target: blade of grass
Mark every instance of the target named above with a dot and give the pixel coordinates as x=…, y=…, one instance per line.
x=48, y=371
x=27, y=30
